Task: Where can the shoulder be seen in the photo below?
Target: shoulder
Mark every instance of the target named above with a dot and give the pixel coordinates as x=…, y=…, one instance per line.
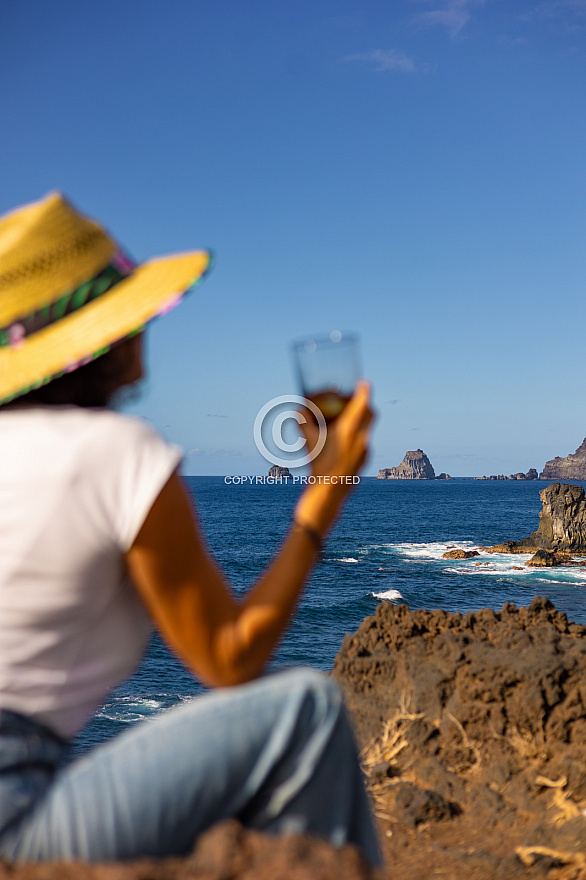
x=98, y=435
x=107, y=423
x=112, y=433
x=78, y=439
x=73, y=420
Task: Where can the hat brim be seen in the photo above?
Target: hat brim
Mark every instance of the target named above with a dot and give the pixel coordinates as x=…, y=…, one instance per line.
x=153, y=288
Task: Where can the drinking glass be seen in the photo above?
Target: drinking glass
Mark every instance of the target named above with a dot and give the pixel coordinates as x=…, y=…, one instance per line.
x=328, y=368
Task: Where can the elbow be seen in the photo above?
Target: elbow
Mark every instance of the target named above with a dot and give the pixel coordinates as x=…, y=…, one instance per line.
x=232, y=674
x=233, y=660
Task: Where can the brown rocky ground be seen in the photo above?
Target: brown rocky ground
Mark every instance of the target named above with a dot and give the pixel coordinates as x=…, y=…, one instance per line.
x=473, y=730
x=225, y=852
x=474, y=735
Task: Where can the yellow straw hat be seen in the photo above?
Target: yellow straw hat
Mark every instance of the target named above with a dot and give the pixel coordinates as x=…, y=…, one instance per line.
x=68, y=293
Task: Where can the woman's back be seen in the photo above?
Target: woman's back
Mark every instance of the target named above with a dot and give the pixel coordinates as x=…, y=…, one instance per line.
x=75, y=487
x=98, y=538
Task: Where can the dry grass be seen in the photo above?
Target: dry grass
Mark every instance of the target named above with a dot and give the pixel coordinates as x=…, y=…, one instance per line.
x=526, y=745
x=384, y=749
x=530, y=854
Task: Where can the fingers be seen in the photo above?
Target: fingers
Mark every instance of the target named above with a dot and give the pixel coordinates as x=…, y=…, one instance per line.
x=346, y=447
x=357, y=415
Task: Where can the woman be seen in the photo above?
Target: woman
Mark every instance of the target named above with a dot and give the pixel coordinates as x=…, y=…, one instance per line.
x=98, y=542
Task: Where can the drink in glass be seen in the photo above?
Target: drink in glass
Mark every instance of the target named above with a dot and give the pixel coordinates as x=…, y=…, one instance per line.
x=328, y=368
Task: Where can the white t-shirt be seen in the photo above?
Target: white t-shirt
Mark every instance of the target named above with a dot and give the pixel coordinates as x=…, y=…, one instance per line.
x=76, y=485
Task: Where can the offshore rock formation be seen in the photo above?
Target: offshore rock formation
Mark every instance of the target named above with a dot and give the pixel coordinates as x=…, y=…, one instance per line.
x=548, y=558
x=562, y=525
x=530, y=475
x=562, y=521
x=444, y=476
x=460, y=554
x=415, y=466
x=277, y=472
x=573, y=467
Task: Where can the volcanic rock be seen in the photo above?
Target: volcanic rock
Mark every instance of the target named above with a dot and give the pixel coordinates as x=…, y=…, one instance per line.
x=543, y=558
x=226, y=852
x=473, y=729
x=415, y=466
x=277, y=472
x=460, y=554
x=444, y=476
x=573, y=467
x=562, y=524
x=511, y=547
x=562, y=521
x=530, y=475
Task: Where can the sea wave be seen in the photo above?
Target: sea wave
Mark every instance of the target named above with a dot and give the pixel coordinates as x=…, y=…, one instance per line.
x=128, y=709
x=391, y=595
x=509, y=565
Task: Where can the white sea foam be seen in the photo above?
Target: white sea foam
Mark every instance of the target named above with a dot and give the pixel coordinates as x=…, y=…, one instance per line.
x=510, y=565
x=346, y=559
x=129, y=709
x=391, y=595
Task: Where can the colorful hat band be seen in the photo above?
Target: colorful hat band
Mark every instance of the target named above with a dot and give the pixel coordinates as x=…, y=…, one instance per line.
x=15, y=334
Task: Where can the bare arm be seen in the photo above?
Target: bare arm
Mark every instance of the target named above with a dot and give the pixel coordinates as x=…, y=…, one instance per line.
x=222, y=639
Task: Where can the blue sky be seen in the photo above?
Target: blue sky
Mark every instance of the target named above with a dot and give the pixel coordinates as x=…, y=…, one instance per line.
x=414, y=171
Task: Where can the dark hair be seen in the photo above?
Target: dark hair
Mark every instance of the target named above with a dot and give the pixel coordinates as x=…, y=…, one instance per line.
x=94, y=385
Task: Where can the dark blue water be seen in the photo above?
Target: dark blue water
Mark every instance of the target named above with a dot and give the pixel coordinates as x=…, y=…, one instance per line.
x=386, y=547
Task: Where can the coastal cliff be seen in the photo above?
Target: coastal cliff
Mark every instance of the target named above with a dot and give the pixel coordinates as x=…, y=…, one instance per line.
x=572, y=467
x=415, y=466
x=562, y=523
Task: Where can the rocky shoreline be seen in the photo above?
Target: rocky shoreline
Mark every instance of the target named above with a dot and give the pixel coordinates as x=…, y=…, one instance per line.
x=559, y=538
x=473, y=736
x=561, y=533
x=472, y=729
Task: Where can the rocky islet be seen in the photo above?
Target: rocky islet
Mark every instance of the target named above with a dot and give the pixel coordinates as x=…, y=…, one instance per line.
x=279, y=473
x=415, y=466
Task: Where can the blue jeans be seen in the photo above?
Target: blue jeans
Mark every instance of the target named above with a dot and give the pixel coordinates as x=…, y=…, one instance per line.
x=278, y=754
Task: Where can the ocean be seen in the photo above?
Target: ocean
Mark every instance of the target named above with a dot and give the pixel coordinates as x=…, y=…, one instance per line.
x=387, y=547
